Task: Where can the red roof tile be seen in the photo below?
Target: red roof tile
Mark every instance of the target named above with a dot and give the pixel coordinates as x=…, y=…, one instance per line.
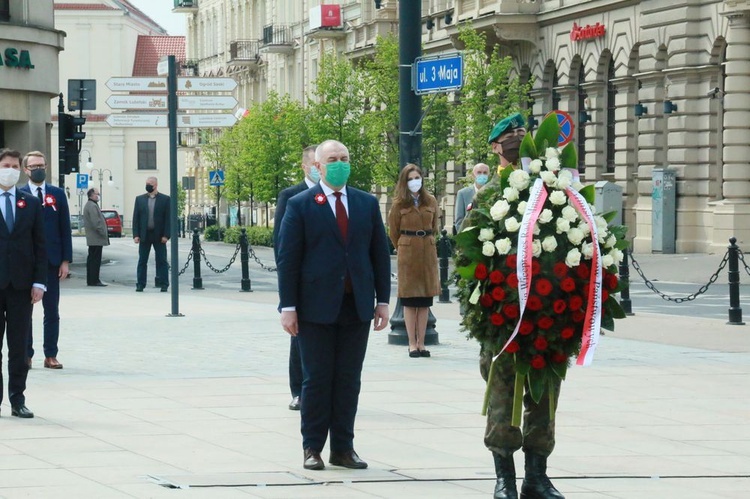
x=83, y=6
x=150, y=49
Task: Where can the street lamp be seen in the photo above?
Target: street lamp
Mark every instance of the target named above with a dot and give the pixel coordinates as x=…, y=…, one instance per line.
x=90, y=161
x=100, y=173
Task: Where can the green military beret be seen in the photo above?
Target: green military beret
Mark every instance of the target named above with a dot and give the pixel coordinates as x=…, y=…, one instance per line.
x=510, y=123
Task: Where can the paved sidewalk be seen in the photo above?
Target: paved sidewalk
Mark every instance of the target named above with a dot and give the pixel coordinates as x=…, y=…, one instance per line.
x=147, y=402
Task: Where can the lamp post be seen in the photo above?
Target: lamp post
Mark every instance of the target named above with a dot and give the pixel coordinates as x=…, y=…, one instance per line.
x=100, y=173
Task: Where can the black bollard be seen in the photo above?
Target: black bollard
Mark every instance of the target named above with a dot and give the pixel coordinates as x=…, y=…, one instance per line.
x=735, y=311
x=444, y=252
x=196, y=250
x=625, y=303
x=244, y=259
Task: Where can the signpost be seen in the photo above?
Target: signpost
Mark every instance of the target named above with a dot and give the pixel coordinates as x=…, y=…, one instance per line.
x=213, y=102
x=190, y=84
x=137, y=120
x=216, y=178
x=82, y=181
x=120, y=84
x=205, y=120
x=137, y=102
x=440, y=73
x=566, y=127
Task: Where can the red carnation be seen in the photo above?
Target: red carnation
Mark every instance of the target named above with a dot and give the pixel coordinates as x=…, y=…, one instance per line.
x=498, y=293
x=526, y=327
x=568, y=284
x=497, y=319
x=578, y=316
x=560, y=270
x=496, y=277
x=610, y=281
x=510, y=261
x=513, y=347
x=511, y=310
x=559, y=306
x=559, y=357
x=540, y=343
x=512, y=280
x=543, y=287
x=481, y=272
x=534, y=303
x=583, y=270
x=567, y=333
x=538, y=362
x=536, y=267
x=486, y=300
x=545, y=322
x=575, y=303
x=605, y=295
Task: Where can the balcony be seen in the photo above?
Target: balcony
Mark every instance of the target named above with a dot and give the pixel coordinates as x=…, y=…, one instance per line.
x=189, y=67
x=327, y=33
x=503, y=21
x=277, y=39
x=185, y=6
x=245, y=53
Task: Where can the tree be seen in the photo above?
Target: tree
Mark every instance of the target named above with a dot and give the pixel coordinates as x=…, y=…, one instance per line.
x=236, y=171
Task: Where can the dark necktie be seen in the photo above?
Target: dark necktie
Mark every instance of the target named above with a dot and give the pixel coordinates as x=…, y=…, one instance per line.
x=9, y=219
x=343, y=220
x=39, y=195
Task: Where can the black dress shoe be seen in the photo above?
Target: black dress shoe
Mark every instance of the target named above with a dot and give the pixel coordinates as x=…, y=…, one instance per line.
x=347, y=459
x=424, y=353
x=21, y=411
x=100, y=284
x=139, y=289
x=313, y=461
x=294, y=405
x=164, y=289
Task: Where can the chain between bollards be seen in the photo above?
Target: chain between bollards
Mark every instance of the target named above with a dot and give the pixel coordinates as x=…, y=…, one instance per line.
x=196, y=249
x=625, y=303
x=735, y=311
x=244, y=260
x=444, y=252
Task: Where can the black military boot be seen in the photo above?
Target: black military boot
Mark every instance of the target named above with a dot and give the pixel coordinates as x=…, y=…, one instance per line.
x=505, y=469
x=536, y=483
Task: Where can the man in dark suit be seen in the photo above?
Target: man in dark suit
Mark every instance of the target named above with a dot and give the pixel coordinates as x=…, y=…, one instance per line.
x=151, y=228
x=23, y=274
x=333, y=263
x=59, y=245
x=312, y=177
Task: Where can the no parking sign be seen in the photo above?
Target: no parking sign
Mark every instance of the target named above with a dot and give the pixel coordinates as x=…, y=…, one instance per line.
x=566, y=127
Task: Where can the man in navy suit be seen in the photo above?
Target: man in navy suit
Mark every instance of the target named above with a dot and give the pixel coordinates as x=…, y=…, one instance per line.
x=334, y=274
x=23, y=274
x=59, y=252
x=312, y=177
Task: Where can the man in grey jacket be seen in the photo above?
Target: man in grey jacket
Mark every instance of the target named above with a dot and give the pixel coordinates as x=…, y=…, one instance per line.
x=96, y=237
x=481, y=173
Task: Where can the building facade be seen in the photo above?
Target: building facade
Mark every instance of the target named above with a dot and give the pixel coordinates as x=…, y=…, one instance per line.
x=649, y=85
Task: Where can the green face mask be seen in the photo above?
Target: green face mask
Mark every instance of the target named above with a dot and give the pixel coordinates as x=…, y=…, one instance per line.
x=337, y=173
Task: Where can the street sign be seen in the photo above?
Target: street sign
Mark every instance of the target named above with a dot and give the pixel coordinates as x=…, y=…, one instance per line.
x=206, y=102
x=162, y=68
x=120, y=84
x=137, y=120
x=435, y=74
x=137, y=102
x=566, y=127
x=216, y=178
x=190, y=84
x=205, y=120
x=81, y=95
x=82, y=181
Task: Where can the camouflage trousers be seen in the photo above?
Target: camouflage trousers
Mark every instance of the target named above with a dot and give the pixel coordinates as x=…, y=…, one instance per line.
x=538, y=431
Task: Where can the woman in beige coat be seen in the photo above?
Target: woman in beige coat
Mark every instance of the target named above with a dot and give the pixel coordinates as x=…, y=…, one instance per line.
x=413, y=226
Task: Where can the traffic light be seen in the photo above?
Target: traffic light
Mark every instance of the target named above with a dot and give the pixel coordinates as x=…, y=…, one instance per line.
x=70, y=137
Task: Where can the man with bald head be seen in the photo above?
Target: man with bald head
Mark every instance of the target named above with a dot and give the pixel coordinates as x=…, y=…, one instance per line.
x=481, y=174
x=151, y=229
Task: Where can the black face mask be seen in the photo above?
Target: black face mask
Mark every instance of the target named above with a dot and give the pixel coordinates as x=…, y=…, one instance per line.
x=38, y=175
x=149, y=188
x=511, y=148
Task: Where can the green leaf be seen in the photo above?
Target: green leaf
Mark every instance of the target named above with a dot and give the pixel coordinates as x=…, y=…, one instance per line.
x=561, y=370
x=588, y=193
x=607, y=322
x=614, y=308
x=467, y=237
x=528, y=147
x=548, y=133
x=609, y=216
x=569, y=156
x=537, y=384
x=522, y=367
x=504, y=174
x=467, y=272
x=622, y=244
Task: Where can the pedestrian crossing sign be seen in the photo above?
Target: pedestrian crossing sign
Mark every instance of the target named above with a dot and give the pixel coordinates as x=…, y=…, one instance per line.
x=216, y=178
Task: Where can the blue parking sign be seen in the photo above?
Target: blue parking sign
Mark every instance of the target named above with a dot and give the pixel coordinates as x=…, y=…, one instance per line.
x=82, y=181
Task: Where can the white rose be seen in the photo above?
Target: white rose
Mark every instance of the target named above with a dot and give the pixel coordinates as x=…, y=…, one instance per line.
x=553, y=164
x=536, y=248
x=562, y=183
x=521, y=207
x=519, y=179
x=611, y=241
x=510, y=193
x=565, y=173
x=584, y=227
x=562, y=225
x=549, y=178
x=558, y=198
x=486, y=234
x=575, y=236
x=545, y=216
x=499, y=210
x=511, y=224
x=549, y=244
x=551, y=152
x=616, y=255
x=537, y=230
x=601, y=224
x=503, y=246
x=587, y=250
x=569, y=213
x=488, y=249
x=535, y=166
x=573, y=258
x=607, y=261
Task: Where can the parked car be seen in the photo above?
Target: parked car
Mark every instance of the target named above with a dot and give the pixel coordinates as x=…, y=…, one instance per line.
x=114, y=223
x=75, y=222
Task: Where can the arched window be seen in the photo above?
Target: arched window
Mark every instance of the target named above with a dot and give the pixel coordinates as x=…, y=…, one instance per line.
x=582, y=96
x=610, y=131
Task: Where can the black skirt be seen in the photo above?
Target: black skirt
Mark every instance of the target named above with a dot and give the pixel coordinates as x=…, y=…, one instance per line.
x=417, y=301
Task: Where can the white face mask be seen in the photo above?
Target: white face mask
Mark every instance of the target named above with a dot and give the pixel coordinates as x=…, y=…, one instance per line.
x=414, y=185
x=9, y=176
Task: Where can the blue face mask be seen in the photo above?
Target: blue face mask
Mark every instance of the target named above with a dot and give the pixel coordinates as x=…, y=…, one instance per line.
x=314, y=174
x=337, y=173
x=482, y=179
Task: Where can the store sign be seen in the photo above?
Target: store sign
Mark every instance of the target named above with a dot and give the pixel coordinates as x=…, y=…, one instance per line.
x=13, y=58
x=578, y=33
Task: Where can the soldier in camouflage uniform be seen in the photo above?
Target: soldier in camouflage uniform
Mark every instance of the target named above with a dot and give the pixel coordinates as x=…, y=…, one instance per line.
x=538, y=435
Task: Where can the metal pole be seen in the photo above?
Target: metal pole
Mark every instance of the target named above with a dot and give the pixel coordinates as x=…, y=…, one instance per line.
x=735, y=311
x=444, y=252
x=60, y=143
x=625, y=303
x=172, y=119
x=245, y=259
x=196, y=250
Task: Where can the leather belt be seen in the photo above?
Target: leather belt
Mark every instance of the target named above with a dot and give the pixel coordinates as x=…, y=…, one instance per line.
x=420, y=233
